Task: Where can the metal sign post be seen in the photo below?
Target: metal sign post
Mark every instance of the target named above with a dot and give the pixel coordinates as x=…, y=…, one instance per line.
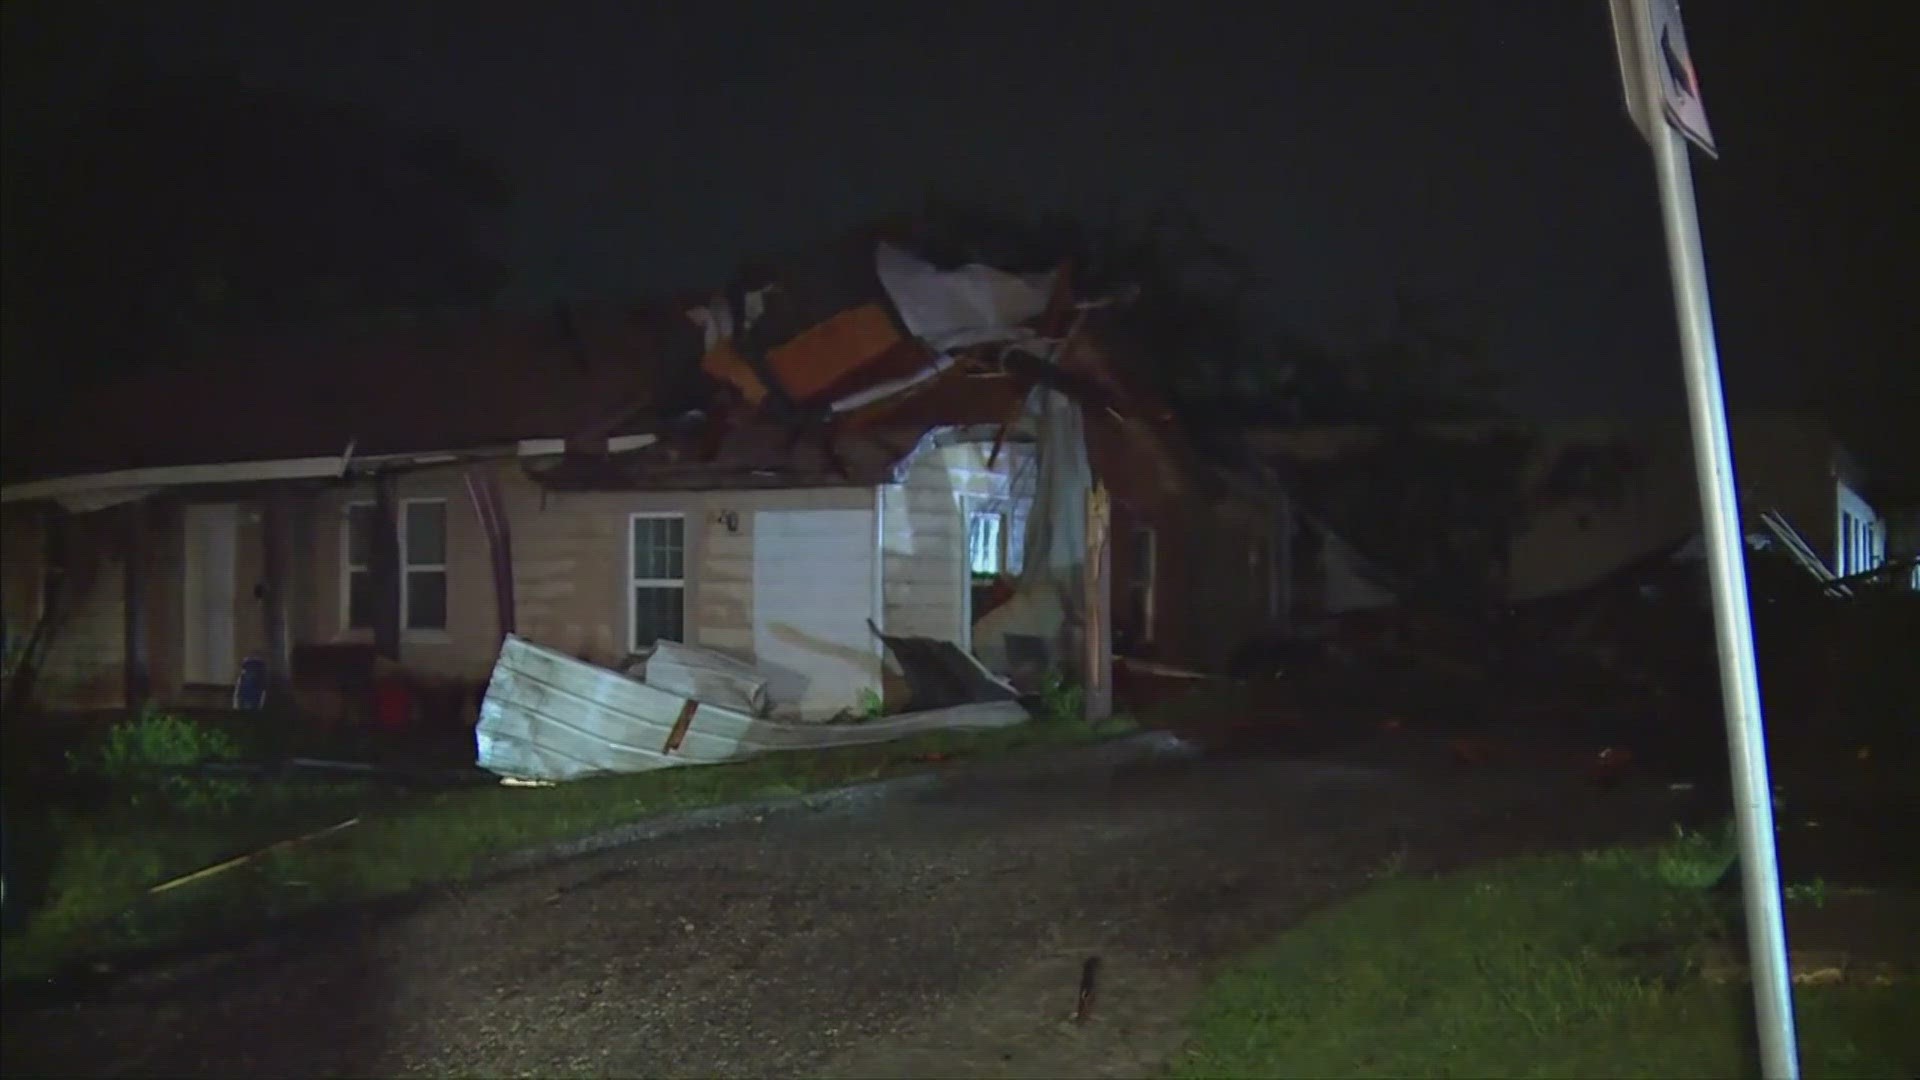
x=1657, y=73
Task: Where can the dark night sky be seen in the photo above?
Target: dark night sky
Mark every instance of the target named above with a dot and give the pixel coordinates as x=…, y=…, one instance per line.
x=1474, y=149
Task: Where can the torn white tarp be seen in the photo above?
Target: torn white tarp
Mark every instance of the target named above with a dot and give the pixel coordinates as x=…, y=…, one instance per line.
x=1050, y=600
x=952, y=309
x=705, y=675
x=548, y=716
x=1057, y=524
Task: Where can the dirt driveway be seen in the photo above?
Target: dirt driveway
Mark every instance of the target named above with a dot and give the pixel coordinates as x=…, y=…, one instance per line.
x=942, y=935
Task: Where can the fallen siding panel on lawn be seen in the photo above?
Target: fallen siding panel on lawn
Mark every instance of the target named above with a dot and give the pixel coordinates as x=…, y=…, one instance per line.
x=548, y=716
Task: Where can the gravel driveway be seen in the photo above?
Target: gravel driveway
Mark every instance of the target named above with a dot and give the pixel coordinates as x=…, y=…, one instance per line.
x=942, y=934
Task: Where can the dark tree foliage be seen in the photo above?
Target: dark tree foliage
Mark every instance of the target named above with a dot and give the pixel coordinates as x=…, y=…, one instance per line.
x=1193, y=304
x=159, y=210
x=1437, y=511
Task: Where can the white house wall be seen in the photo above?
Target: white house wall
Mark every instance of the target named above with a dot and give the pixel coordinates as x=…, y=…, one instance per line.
x=570, y=566
x=927, y=572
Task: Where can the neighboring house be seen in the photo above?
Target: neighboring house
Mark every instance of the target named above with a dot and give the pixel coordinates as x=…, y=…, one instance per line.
x=1598, y=494
x=425, y=495
x=1903, y=541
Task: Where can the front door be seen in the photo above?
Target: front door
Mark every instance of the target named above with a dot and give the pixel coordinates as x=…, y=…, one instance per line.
x=208, y=595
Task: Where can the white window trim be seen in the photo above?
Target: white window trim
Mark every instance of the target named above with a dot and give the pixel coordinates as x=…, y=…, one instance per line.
x=438, y=636
x=408, y=567
x=983, y=508
x=1859, y=546
x=633, y=582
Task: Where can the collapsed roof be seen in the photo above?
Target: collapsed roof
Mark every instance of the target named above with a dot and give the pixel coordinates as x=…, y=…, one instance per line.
x=829, y=369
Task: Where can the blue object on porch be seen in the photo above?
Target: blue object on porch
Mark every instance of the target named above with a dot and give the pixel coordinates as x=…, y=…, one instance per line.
x=250, y=689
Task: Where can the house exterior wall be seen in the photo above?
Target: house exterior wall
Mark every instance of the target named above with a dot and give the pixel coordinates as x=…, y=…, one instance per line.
x=1779, y=465
x=1788, y=465
x=1212, y=571
x=1211, y=562
x=84, y=665
x=570, y=553
x=466, y=648
x=570, y=565
x=927, y=572
x=22, y=566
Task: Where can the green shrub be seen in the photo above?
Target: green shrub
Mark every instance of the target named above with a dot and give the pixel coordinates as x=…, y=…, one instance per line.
x=1060, y=701
x=1697, y=860
x=135, y=754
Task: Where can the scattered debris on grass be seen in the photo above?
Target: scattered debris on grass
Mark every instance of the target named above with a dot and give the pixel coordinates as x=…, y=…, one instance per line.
x=242, y=860
x=98, y=899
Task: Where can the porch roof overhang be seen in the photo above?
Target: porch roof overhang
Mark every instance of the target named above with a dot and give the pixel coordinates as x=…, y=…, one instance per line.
x=87, y=492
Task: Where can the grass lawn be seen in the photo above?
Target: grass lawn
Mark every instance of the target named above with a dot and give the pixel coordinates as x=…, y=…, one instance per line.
x=1563, y=966
x=104, y=862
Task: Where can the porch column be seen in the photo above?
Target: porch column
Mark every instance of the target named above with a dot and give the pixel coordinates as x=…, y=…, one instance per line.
x=386, y=572
x=1097, y=676
x=274, y=534
x=136, y=665
x=298, y=571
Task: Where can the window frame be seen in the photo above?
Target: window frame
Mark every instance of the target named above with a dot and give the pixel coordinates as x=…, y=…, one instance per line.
x=428, y=635
x=1000, y=540
x=408, y=568
x=1859, y=546
x=634, y=583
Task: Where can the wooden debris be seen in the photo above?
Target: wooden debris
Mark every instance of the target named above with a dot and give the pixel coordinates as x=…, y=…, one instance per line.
x=680, y=725
x=250, y=857
x=1089, y=980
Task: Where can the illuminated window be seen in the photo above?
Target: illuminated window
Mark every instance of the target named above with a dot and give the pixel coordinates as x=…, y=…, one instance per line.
x=986, y=542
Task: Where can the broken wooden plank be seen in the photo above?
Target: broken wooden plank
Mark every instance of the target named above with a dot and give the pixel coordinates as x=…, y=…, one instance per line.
x=242, y=860
x=680, y=726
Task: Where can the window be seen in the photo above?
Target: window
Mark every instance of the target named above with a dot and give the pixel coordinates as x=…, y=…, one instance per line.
x=986, y=542
x=423, y=565
x=656, y=579
x=1140, y=606
x=1862, y=537
x=359, y=569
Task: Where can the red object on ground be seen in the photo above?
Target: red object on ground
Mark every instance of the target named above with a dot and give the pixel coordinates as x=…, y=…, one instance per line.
x=392, y=704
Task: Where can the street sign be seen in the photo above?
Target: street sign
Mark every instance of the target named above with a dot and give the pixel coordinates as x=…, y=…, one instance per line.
x=1656, y=70
x=1653, y=32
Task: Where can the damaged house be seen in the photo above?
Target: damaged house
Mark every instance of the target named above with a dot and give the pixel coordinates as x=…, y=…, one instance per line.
x=1558, y=506
x=856, y=444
